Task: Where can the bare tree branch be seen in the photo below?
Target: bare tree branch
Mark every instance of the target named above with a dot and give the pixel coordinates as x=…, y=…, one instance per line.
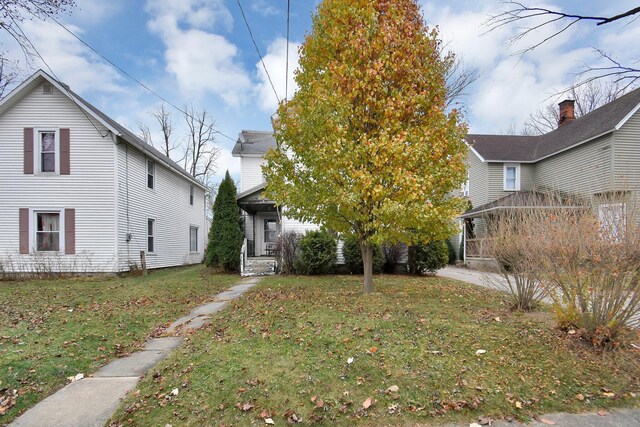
x=201, y=150
x=9, y=75
x=537, y=18
x=587, y=96
x=14, y=11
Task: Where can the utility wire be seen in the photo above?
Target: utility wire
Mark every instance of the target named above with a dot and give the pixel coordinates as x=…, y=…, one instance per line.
x=258, y=51
x=123, y=72
x=286, y=71
x=73, y=98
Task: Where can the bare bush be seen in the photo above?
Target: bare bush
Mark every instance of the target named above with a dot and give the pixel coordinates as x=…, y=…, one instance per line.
x=587, y=260
x=512, y=233
x=287, y=251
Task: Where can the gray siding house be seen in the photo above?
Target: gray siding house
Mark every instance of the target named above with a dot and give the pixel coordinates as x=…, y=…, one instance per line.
x=590, y=158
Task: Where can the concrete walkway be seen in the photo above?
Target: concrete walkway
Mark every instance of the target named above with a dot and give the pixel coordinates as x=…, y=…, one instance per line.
x=90, y=402
x=611, y=418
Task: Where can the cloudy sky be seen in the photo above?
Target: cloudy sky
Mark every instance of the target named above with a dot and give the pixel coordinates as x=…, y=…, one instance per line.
x=199, y=52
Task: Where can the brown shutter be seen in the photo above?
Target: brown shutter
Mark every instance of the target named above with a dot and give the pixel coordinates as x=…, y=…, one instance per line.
x=24, y=230
x=28, y=151
x=65, y=152
x=69, y=231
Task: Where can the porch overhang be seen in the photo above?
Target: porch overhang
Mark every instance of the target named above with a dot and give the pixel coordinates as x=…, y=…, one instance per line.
x=253, y=202
x=521, y=200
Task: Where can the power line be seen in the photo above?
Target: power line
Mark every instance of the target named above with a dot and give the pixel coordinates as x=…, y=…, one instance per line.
x=258, y=51
x=73, y=98
x=286, y=72
x=121, y=71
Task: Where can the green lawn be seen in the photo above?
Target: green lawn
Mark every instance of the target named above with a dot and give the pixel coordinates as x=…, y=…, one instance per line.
x=54, y=329
x=282, y=351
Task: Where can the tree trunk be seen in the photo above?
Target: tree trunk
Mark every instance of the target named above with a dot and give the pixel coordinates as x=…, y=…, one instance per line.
x=367, y=261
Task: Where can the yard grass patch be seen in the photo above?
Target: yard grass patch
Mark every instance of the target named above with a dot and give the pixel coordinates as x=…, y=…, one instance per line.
x=316, y=349
x=54, y=329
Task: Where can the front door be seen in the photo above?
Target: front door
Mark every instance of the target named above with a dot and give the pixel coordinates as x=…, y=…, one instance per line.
x=270, y=235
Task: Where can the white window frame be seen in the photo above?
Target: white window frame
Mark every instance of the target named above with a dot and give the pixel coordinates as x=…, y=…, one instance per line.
x=191, y=228
x=37, y=167
x=152, y=174
x=33, y=225
x=465, y=187
x=192, y=194
x=612, y=217
x=504, y=176
x=154, y=234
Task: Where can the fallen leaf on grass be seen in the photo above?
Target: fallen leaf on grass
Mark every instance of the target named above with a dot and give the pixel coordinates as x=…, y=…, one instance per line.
x=519, y=404
x=175, y=392
x=368, y=403
x=608, y=394
x=485, y=421
x=269, y=421
x=244, y=407
x=392, y=389
x=393, y=408
x=7, y=400
x=481, y=351
x=319, y=404
x=602, y=413
x=350, y=361
x=373, y=350
x=580, y=396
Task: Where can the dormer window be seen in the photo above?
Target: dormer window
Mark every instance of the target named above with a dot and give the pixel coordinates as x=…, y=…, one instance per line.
x=511, y=177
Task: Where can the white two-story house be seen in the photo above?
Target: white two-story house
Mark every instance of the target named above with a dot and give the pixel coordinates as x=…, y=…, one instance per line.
x=262, y=220
x=81, y=193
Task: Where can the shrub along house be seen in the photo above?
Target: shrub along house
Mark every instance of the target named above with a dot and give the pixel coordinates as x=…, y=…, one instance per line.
x=591, y=159
x=80, y=193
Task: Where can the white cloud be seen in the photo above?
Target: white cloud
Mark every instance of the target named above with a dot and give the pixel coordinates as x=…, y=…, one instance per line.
x=201, y=60
x=94, y=11
x=275, y=62
x=226, y=162
x=70, y=60
x=264, y=8
x=511, y=87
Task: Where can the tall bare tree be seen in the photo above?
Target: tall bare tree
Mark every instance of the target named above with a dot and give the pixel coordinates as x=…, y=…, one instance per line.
x=163, y=119
x=201, y=150
x=530, y=19
x=587, y=98
x=197, y=151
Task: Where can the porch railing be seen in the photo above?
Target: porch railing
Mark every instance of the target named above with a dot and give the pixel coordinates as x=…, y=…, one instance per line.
x=243, y=256
x=478, y=248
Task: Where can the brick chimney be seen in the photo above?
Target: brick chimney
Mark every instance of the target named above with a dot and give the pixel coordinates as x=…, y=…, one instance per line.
x=567, y=114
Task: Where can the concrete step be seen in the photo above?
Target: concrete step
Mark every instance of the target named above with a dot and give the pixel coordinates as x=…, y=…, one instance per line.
x=259, y=267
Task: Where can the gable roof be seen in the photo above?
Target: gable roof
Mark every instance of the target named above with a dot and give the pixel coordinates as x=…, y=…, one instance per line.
x=253, y=143
x=516, y=148
x=116, y=128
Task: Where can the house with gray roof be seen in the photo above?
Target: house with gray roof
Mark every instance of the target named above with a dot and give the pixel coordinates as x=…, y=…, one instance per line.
x=263, y=221
x=590, y=158
x=81, y=193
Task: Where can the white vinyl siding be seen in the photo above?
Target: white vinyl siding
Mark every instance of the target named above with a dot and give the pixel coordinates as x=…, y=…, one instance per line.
x=89, y=188
x=250, y=172
x=478, y=181
x=136, y=203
